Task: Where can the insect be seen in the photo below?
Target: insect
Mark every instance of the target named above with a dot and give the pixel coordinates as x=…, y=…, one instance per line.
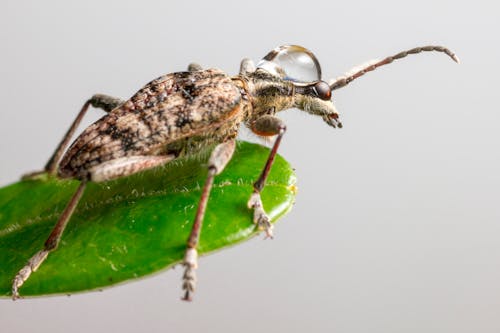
x=181, y=114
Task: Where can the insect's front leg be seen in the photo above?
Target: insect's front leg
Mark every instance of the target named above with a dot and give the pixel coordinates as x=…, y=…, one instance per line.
x=265, y=126
x=104, y=102
x=219, y=158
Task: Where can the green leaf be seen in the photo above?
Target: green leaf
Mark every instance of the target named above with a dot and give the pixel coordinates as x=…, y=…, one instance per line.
x=133, y=226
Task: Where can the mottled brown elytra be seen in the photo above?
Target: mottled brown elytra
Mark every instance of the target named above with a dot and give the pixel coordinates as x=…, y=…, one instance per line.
x=183, y=113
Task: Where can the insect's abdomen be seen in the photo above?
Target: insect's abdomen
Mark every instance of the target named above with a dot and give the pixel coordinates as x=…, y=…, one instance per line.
x=168, y=110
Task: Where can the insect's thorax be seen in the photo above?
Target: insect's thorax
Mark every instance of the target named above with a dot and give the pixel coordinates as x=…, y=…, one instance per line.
x=267, y=93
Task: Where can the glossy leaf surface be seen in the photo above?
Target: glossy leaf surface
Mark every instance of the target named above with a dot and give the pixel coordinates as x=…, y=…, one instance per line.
x=133, y=226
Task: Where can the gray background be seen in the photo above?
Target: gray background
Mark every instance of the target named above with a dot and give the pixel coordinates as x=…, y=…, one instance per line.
x=396, y=226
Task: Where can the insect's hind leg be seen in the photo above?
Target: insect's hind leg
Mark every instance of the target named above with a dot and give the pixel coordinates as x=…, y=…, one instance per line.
x=126, y=166
x=104, y=102
x=50, y=244
x=219, y=158
x=103, y=172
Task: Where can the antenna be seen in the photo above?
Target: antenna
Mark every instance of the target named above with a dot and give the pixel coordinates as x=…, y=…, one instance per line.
x=345, y=80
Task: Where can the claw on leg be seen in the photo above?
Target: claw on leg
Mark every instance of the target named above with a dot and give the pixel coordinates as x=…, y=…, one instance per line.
x=26, y=271
x=189, y=277
x=260, y=217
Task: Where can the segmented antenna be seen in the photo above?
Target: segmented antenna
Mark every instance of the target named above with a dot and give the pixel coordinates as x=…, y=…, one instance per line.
x=345, y=80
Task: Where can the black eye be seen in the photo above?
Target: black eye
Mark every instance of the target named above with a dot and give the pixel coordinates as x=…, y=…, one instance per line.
x=322, y=90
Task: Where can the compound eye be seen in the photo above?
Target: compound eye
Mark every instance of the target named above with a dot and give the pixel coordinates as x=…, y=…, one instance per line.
x=322, y=90
x=293, y=63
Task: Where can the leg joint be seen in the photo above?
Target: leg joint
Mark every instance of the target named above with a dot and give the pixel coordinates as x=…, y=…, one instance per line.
x=268, y=125
x=258, y=185
x=51, y=244
x=282, y=129
x=105, y=102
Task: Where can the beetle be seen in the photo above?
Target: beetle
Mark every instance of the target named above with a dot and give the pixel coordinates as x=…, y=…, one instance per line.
x=184, y=113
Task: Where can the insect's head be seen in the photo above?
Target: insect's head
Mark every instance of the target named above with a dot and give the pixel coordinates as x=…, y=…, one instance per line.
x=299, y=67
x=299, y=73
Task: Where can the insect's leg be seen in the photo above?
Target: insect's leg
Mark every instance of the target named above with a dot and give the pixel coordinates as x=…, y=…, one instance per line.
x=50, y=244
x=220, y=156
x=265, y=126
x=126, y=166
x=105, y=102
x=247, y=66
x=193, y=67
x=103, y=172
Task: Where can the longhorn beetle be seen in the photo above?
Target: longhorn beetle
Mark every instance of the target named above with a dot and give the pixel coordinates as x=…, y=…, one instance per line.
x=181, y=114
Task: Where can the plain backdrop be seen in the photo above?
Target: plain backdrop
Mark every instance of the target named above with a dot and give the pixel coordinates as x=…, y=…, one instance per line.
x=396, y=225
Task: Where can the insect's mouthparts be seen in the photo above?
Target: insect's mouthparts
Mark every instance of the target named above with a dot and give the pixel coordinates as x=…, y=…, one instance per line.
x=333, y=120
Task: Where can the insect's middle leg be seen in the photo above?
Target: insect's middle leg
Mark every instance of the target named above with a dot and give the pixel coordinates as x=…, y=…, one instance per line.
x=193, y=67
x=220, y=156
x=265, y=126
x=104, y=102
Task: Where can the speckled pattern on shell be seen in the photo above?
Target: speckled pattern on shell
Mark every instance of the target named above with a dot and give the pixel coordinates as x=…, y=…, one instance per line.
x=174, y=113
